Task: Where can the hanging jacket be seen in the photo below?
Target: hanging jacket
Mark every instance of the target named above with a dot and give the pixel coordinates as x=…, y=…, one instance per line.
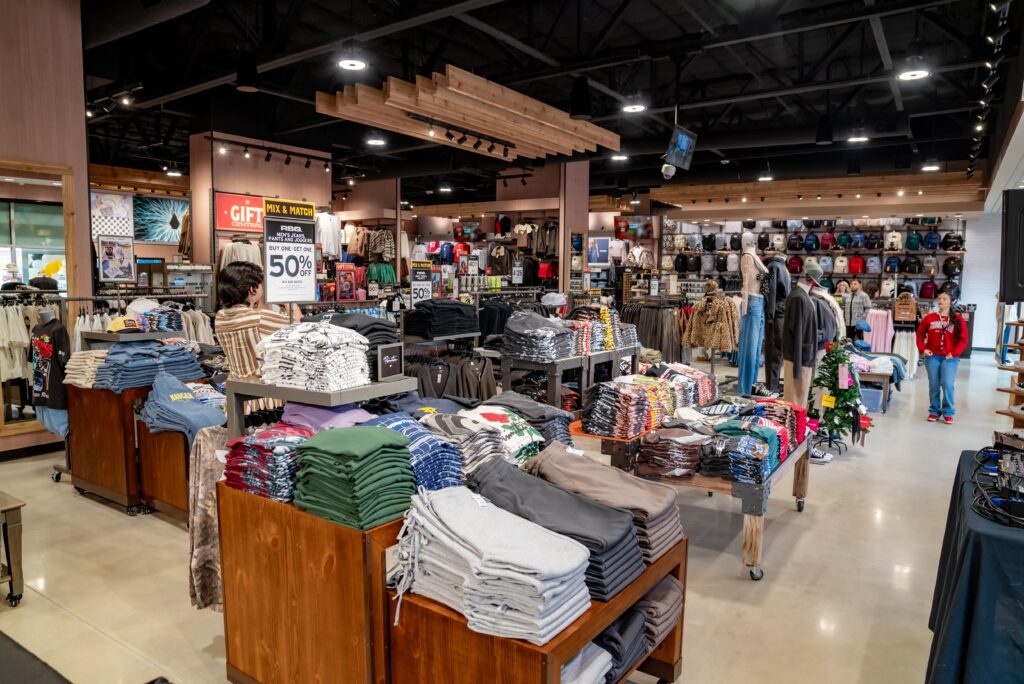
x=714, y=323
x=800, y=331
x=780, y=285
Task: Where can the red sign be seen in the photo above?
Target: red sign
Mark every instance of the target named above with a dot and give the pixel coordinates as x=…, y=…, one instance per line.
x=239, y=212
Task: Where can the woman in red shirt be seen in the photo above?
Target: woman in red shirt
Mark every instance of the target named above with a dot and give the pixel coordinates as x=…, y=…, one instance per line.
x=941, y=339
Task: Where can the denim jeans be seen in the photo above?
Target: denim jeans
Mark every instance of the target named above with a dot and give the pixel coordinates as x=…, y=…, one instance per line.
x=941, y=374
x=751, y=337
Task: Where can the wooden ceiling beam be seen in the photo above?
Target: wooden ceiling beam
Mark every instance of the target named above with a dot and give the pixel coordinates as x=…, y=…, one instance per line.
x=479, y=88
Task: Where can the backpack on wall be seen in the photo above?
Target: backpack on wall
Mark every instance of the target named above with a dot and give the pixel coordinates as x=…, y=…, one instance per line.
x=857, y=265
x=874, y=264
x=764, y=240
x=930, y=266
x=952, y=289
x=732, y=262
x=779, y=242
x=721, y=263
x=693, y=263
x=707, y=241
x=749, y=224
x=679, y=263
x=811, y=243
x=828, y=240
x=952, y=266
x=893, y=264
x=858, y=240
x=707, y=263
x=843, y=240
x=914, y=240
x=795, y=244
x=952, y=242
x=826, y=263
x=931, y=240
x=842, y=265
x=929, y=289
x=735, y=241
x=874, y=241
x=795, y=264
x=912, y=265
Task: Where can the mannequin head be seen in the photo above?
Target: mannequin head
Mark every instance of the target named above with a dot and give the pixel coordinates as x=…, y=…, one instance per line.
x=748, y=242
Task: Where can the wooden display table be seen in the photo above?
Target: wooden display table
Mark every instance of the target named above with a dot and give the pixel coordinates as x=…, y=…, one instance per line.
x=163, y=471
x=755, y=499
x=632, y=353
x=433, y=644
x=554, y=369
x=885, y=380
x=102, y=445
x=304, y=598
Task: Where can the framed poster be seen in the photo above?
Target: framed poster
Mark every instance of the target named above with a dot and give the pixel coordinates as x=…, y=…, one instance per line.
x=289, y=251
x=110, y=213
x=346, y=278
x=238, y=213
x=597, y=251
x=159, y=219
x=117, y=258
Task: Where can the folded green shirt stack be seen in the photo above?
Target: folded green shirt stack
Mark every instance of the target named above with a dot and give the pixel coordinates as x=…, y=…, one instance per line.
x=358, y=476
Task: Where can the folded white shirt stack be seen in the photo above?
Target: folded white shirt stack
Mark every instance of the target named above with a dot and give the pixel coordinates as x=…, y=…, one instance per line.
x=320, y=357
x=81, y=368
x=590, y=666
x=508, y=576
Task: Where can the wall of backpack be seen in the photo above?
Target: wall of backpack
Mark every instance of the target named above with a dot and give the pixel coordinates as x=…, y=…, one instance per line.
x=921, y=254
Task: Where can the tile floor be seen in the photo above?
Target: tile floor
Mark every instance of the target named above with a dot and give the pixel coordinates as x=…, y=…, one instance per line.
x=845, y=597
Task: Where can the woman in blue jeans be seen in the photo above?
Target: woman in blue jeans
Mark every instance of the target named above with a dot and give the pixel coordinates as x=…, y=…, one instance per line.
x=941, y=339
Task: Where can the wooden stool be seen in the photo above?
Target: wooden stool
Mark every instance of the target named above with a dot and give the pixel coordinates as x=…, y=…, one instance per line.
x=10, y=526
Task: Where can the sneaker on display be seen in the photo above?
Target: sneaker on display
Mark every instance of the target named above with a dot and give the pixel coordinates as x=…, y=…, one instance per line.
x=761, y=390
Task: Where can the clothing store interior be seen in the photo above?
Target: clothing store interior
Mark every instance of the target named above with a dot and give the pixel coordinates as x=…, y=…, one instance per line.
x=400, y=342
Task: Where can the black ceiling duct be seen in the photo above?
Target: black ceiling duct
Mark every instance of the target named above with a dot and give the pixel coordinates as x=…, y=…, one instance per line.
x=579, y=99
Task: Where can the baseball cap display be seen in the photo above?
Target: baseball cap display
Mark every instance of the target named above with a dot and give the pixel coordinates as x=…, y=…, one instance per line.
x=124, y=324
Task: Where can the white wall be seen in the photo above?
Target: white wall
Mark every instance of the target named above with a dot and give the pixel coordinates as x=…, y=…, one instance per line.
x=981, y=275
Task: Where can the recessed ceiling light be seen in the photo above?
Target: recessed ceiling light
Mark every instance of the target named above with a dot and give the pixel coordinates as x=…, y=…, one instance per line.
x=803, y=218
x=858, y=195
x=444, y=188
x=920, y=192
x=127, y=100
x=8, y=180
x=376, y=140
x=633, y=107
x=88, y=113
x=857, y=138
x=744, y=199
x=900, y=193
x=930, y=166
x=173, y=173
x=636, y=201
x=765, y=177
x=864, y=216
x=620, y=157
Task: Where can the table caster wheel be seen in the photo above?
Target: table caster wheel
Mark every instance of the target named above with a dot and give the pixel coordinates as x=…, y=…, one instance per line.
x=80, y=491
x=710, y=494
x=14, y=600
x=55, y=476
x=800, y=505
x=756, y=573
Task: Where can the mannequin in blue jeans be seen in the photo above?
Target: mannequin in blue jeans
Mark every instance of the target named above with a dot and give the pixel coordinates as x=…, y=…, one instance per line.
x=752, y=321
x=941, y=339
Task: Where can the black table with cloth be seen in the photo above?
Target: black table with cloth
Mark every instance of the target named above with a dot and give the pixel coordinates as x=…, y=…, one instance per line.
x=978, y=609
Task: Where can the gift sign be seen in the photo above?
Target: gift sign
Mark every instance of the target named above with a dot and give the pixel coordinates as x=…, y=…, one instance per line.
x=865, y=422
x=828, y=401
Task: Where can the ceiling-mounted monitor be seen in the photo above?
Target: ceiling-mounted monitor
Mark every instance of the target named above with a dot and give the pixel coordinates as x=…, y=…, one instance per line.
x=680, y=148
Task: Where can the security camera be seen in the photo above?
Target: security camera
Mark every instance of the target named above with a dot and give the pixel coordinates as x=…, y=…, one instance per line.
x=667, y=171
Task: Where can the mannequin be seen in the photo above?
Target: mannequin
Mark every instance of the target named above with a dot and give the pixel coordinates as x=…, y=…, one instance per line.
x=800, y=337
x=752, y=322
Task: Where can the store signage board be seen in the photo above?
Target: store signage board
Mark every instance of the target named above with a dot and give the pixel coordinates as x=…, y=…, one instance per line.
x=390, y=364
x=238, y=213
x=372, y=289
x=655, y=285
x=474, y=265
x=289, y=239
x=420, y=277
x=517, y=273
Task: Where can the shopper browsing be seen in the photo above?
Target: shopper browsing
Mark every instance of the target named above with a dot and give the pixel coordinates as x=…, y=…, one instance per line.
x=941, y=339
x=855, y=306
x=241, y=324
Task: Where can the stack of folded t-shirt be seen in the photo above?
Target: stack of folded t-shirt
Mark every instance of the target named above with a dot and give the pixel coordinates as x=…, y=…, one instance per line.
x=208, y=395
x=626, y=641
x=161, y=319
x=590, y=666
x=265, y=462
x=714, y=458
x=136, y=364
x=358, y=476
x=617, y=409
x=663, y=608
x=669, y=452
x=82, y=366
x=522, y=441
x=653, y=505
x=533, y=337
x=436, y=462
x=314, y=356
x=172, y=407
x=629, y=339
x=552, y=422
x=318, y=418
x=377, y=331
x=608, y=533
x=761, y=429
x=477, y=441
x=435, y=318
x=508, y=576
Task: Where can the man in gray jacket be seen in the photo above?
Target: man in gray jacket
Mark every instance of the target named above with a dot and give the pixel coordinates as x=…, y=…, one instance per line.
x=855, y=306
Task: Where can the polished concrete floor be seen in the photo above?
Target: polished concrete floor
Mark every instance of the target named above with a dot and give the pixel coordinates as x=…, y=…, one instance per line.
x=845, y=597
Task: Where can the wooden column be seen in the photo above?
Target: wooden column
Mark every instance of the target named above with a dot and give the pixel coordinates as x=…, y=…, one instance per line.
x=573, y=214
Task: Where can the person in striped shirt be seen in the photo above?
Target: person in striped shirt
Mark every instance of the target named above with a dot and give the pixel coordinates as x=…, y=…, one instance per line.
x=241, y=323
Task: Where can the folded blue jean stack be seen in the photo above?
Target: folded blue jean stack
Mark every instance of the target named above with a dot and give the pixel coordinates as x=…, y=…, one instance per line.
x=136, y=364
x=173, y=407
x=436, y=463
x=162, y=319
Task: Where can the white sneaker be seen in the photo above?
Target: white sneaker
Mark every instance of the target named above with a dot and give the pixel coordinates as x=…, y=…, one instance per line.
x=820, y=456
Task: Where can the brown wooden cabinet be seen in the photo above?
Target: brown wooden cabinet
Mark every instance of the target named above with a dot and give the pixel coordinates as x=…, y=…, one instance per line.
x=101, y=438
x=163, y=471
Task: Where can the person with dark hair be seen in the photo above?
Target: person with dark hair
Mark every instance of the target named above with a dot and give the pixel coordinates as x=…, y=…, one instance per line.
x=241, y=323
x=941, y=339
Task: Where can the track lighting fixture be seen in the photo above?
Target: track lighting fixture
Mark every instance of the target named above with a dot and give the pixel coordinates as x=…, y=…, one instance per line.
x=449, y=135
x=222, y=149
x=523, y=180
x=504, y=153
x=990, y=81
x=490, y=148
x=477, y=144
x=127, y=100
x=268, y=157
x=997, y=37
x=308, y=163
x=163, y=167
x=998, y=7
x=245, y=153
x=327, y=167
x=88, y=113
x=504, y=182
x=431, y=132
x=462, y=139
x=766, y=175
x=858, y=135
x=993, y=62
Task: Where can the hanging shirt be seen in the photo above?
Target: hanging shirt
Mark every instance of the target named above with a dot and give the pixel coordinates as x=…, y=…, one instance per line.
x=328, y=233
x=51, y=349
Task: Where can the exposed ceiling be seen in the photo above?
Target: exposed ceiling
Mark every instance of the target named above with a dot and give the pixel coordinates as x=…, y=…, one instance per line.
x=753, y=78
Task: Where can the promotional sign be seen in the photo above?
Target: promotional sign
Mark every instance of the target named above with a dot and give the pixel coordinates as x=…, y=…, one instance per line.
x=240, y=213
x=828, y=401
x=389, y=362
x=655, y=285
x=420, y=275
x=372, y=289
x=346, y=279
x=517, y=273
x=474, y=265
x=289, y=239
x=117, y=259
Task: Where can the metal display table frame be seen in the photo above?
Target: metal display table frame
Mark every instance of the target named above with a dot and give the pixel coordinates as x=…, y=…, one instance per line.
x=755, y=499
x=633, y=353
x=554, y=370
x=241, y=390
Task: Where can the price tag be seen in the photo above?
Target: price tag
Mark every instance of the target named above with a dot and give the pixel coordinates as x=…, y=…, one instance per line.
x=517, y=273
x=865, y=422
x=289, y=238
x=828, y=401
x=372, y=289
x=655, y=285
x=420, y=284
